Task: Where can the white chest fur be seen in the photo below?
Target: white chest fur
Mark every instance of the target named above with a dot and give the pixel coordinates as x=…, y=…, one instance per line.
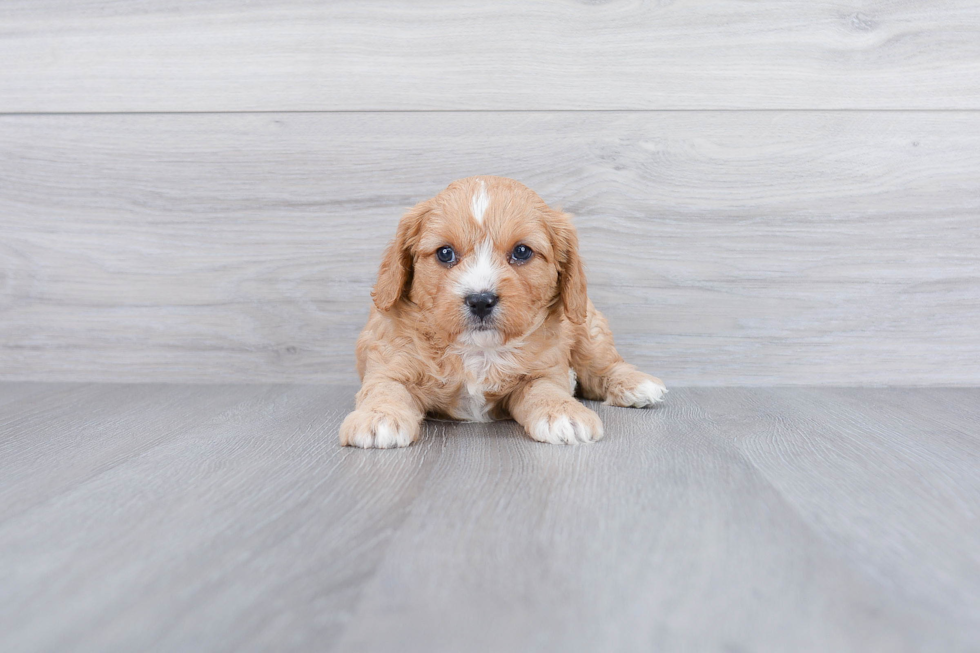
x=486, y=364
x=471, y=404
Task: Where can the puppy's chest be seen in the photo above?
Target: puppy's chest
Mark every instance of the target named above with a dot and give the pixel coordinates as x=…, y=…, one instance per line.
x=487, y=375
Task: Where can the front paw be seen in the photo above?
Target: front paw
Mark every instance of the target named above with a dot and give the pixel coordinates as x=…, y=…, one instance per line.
x=569, y=423
x=636, y=390
x=375, y=429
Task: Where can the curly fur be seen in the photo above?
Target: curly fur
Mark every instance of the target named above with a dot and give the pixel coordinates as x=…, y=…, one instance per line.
x=421, y=353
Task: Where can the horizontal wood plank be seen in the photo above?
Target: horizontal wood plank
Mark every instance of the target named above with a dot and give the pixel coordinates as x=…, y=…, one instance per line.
x=278, y=55
x=726, y=248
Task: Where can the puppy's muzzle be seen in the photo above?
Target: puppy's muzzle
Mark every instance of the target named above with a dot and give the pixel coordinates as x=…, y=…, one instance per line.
x=481, y=304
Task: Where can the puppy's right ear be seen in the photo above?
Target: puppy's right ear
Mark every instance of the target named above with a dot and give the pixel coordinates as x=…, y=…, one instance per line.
x=395, y=274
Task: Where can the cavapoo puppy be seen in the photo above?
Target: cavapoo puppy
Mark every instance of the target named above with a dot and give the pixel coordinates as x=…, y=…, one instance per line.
x=480, y=312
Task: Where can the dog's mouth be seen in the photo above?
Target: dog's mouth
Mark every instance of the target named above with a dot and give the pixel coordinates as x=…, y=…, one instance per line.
x=481, y=331
x=481, y=337
x=482, y=324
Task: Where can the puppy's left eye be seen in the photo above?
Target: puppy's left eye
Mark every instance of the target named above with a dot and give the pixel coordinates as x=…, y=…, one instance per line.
x=521, y=254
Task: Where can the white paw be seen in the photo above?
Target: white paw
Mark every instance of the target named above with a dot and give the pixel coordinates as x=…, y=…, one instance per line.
x=647, y=393
x=376, y=430
x=560, y=428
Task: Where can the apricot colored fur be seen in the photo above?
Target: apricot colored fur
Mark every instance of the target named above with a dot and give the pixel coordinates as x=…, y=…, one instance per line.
x=420, y=353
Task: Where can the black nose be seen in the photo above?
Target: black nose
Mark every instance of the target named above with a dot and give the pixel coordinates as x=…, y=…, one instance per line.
x=481, y=304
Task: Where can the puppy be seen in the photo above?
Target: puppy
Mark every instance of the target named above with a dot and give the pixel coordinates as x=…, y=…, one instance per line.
x=480, y=312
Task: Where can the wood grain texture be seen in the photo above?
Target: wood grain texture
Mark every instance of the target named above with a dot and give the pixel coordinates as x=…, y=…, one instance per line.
x=161, y=55
x=744, y=248
x=805, y=519
x=34, y=467
x=240, y=498
x=685, y=532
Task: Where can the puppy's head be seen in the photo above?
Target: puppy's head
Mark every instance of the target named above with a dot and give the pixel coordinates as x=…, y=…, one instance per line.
x=485, y=260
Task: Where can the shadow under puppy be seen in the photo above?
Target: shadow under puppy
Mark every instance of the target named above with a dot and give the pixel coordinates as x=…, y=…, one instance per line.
x=481, y=312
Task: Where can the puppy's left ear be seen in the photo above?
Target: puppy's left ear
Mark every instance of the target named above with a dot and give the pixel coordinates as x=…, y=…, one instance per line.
x=572, y=286
x=398, y=263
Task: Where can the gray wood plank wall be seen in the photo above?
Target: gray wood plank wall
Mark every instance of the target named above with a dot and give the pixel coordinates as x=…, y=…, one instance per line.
x=271, y=55
x=771, y=192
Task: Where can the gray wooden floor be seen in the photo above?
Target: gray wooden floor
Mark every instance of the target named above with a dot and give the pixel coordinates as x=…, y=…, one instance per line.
x=184, y=517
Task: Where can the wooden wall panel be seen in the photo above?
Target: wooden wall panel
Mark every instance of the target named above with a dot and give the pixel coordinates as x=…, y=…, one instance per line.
x=726, y=247
x=276, y=55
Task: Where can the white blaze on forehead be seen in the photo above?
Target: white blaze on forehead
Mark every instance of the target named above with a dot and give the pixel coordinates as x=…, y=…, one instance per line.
x=479, y=203
x=481, y=271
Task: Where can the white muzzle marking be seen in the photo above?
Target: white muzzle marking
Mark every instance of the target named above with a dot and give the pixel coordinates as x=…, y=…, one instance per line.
x=481, y=272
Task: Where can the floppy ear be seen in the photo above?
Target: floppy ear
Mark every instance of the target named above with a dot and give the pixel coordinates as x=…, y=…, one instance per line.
x=395, y=273
x=572, y=286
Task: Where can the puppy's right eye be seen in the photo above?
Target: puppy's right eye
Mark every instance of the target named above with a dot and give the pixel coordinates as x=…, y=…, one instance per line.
x=446, y=254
